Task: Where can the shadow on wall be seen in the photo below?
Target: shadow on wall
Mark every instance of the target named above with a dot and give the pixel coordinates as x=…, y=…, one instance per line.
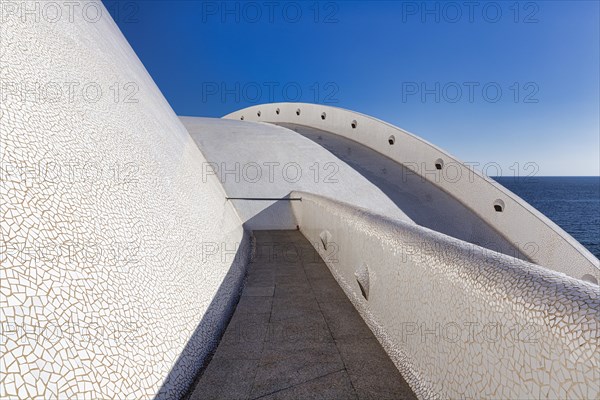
x=277, y=216
x=199, y=349
x=207, y=335
x=423, y=202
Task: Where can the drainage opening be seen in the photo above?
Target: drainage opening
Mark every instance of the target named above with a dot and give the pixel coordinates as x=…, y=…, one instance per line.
x=242, y=117
x=323, y=116
x=277, y=111
x=258, y=114
x=589, y=278
x=499, y=205
x=391, y=140
x=439, y=163
x=298, y=112
x=354, y=124
x=362, y=278
x=325, y=237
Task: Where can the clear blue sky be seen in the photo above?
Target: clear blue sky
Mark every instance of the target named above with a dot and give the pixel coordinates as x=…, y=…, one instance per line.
x=433, y=68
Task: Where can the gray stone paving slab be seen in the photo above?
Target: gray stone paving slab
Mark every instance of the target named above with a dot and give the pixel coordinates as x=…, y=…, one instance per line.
x=295, y=335
x=336, y=385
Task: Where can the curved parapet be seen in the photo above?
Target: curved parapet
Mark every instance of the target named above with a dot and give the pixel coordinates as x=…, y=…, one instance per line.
x=458, y=321
x=113, y=282
x=512, y=217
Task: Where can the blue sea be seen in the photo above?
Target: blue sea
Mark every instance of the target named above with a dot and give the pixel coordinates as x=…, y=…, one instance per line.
x=573, y=203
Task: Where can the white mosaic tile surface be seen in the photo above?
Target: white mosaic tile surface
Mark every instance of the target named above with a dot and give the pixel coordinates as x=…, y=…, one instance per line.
x=112, y=248
x=115, y=257
x=460, y=321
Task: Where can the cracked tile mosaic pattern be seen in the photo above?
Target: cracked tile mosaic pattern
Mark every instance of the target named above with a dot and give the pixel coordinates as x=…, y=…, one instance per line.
x=118, y=264
x=457, y=322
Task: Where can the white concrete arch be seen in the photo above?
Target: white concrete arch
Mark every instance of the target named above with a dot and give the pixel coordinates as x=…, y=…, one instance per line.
x=503, y=210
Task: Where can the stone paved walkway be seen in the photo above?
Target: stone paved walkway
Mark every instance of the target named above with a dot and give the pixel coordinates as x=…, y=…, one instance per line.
x=295, y=335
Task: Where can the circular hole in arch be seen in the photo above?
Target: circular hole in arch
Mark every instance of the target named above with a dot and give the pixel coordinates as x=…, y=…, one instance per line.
x=391, y=140
x=258, y=114
x=277, y=111
x=439, y=163
x=354, y=124
x=242, y=117
x=323, y=116
x=298, y=112
x=499, y=205
x=589, y=278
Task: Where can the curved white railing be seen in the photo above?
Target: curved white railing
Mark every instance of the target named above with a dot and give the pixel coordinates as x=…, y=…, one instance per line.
x=458, y=320
x=541, y=239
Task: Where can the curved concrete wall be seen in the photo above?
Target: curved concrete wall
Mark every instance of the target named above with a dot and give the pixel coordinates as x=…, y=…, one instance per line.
x=118, y=263
x=518, y=222
x=264, y=161
x=459, y=321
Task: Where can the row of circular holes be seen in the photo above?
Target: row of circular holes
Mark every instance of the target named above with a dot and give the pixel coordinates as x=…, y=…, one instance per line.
x=353, y=124
x=439, y=163
x=498, y=204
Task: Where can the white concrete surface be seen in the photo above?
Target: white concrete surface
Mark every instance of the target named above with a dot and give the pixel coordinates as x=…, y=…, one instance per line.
x=520, y=223
x=424, y=202
x=257, y=161
x=117, y=268
x=459, y=321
